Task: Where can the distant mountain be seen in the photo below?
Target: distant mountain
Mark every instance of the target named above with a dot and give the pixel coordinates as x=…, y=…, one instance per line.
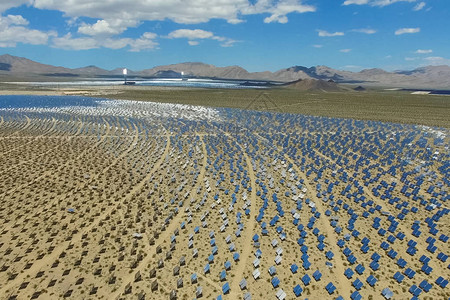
x=20, y=65
x=195, y=69
x=91, y=70
x=313, y=85
x=424, y=77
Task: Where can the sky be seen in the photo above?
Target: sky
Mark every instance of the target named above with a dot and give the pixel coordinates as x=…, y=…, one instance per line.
x=258, y=35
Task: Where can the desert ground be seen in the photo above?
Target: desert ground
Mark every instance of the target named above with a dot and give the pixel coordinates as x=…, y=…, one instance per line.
x=373, y=104
x=210, y=194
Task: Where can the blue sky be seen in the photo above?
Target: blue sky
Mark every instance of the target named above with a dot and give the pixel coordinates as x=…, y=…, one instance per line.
x=258, y=35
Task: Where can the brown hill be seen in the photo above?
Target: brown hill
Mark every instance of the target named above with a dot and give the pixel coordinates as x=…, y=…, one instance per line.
x=21, y=65
x=426, y=77
x=201, y=70
x=313, y=85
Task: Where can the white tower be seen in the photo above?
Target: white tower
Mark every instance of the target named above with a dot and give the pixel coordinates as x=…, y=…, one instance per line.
x=125, y=72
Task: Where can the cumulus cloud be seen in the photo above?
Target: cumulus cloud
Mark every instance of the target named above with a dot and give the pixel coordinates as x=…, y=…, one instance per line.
x=7, y=4
x=187, y=12
x=191, y=34
x=423, y=51
x=419, y=6
x=106, y=27
x=352, y=67
x=280, y=10
x=345, y=50
x=357, y=2
x=198, y=34
x=365, y=30
x=317, y=46
x=380, y=3
x=114, y=17
x=67, y=42
x=437, y=60
x=325, y=33
x=14, y=30
x=406, y=30
x=145, y=42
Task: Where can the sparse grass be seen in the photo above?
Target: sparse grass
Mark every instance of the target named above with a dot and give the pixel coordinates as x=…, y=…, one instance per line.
x=379, y=105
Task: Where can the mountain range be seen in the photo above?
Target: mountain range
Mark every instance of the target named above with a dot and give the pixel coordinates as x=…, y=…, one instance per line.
x=432, y=77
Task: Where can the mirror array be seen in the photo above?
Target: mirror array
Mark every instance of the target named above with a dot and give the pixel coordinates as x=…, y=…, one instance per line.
x=139, y=200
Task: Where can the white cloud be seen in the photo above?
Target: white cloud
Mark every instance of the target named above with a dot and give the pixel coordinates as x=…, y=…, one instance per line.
x=145, y=42
x=6, y=4
x=184, y=12
x=317, y=46
x=365, y=30
x=114, y=17
x=276, y=18
x=228, y=43
x=280, y=10
x=411, y=58
x=380, y=3
x=191, y=34
x=423, y=51
x=357, y=2
x=14, y=20
x=419, y=6
x=198, y=34
x=352, y=67
x=68, y=43
x=406, y=30
x=345, y=50
x=13, y=30
x=437, y=60
x=106, y=27
x=324, y=33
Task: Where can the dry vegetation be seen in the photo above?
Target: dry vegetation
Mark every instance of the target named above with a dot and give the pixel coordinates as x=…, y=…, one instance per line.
x=126, y=199
x=377, y=105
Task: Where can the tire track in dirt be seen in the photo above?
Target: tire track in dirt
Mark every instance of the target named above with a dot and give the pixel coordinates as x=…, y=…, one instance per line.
x=343, y=287
x=164, y=236
x=46, y=173
x=23, y=145
x=246, y=236
x=46, y=260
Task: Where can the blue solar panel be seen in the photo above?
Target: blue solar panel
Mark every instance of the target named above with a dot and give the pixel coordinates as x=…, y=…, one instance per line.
x=226, y=288
x=442, y=282
x=371, y=280
x=375, y=256
x=349, y=273
x=294, y=268
x=298, y=290
x=401, y=263
x=399, y=277
x=442, y=257
x=330, y=288
x=317, y=275
x=355, y=296
x=365, y=248
x=357, y=284
x=374, y=265
x=275, y=282
x=427, y=269
x=360, y=269
x=306, y=279
x=410, y=273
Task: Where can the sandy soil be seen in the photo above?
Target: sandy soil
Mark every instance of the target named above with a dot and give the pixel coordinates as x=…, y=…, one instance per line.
x=117, y=206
